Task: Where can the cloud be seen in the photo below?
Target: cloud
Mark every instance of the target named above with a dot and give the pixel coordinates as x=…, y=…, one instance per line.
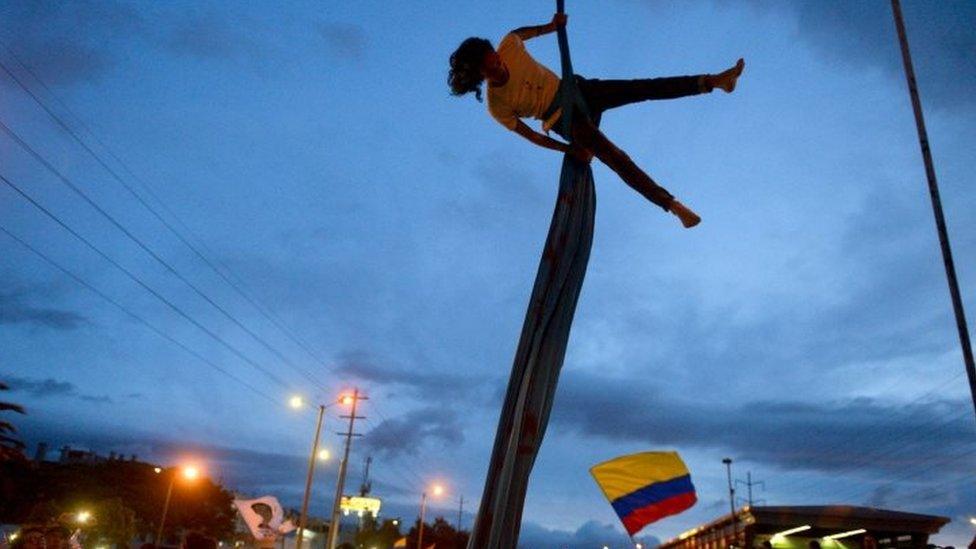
x=14, y=310
x=49, y=387
x=363, y=366
x=787, y=434
x=344, y=40
x=407, y=434
x=69, y=42
x=862, y=35
x=590, y=534
x=208, y=36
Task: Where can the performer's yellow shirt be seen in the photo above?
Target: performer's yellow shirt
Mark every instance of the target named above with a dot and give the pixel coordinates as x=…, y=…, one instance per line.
x=530, y=89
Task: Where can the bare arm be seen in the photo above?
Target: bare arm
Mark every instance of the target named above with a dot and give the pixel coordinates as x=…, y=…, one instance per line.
x=539, y=139
x=525, y=33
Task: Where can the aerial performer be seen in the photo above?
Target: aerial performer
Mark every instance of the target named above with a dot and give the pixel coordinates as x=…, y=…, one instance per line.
x=520, y=87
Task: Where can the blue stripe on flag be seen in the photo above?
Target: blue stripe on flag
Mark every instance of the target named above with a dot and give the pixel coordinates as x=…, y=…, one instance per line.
x=651, y=494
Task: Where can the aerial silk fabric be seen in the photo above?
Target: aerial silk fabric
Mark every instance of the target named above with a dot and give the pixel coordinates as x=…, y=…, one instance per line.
x=646, y=487
x=542, y=344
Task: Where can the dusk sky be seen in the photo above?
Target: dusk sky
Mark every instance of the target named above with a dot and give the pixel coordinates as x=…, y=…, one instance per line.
x=386, y=235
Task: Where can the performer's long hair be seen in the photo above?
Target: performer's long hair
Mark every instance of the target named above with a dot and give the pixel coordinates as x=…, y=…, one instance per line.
x=465, y=74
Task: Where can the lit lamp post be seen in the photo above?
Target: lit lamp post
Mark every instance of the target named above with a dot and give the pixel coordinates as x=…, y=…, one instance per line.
x=322, y=454
x=189, y=473
x=735, y=528
x=437, y=489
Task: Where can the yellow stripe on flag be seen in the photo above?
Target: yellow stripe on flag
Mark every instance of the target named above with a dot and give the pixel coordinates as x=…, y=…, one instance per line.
x=621, y=476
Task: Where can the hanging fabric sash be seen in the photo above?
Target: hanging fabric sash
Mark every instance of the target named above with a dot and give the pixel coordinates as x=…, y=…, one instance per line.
x=545, y=333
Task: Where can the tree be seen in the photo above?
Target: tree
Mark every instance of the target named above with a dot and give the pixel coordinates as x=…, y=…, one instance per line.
x=124, y=497
x=114, y=523
x=377, y=535
x=10, y=448
x=440, y=533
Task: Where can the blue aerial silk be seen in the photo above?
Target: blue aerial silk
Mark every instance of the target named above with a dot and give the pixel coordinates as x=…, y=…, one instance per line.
x=542, y=344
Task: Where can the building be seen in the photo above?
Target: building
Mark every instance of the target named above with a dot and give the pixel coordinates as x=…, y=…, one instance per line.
x=794, y=527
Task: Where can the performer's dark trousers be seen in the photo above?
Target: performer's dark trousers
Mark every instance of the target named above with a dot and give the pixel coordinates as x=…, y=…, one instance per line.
x=602, y=95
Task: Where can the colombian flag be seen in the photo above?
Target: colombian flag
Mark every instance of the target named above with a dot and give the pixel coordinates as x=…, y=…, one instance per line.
x=645, y=487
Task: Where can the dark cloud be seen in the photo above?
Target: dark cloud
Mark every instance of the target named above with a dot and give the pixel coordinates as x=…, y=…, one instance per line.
x=365, y=367
x=212, y=36
x=344, y=40
x=826, y=435
x=44, y=388
x=15, y=310
x=590, y=534
x=862, y=35
x=70, y=42
x=407, y=434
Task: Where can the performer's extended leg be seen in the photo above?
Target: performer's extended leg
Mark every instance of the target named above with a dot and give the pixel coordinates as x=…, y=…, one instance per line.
x=601, y=95
x=591, y=138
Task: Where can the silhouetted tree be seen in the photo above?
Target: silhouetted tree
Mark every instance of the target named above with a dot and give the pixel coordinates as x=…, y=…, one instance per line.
x=440, y=533
x=124, y=497
x=373, y=534
x=10, y=447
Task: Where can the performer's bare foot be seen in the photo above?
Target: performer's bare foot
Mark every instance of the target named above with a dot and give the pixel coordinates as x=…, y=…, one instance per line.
x=728, y=78
x=688, y=218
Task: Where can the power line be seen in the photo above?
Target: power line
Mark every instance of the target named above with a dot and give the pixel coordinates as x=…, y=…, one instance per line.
x=67, y=182
x=265, y=311
x=133, y=315
x=881, y=444
x=915, y=473
x=139, y=281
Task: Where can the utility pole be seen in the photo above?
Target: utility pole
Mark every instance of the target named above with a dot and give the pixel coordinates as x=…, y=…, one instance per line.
x=420, y=527
x=460, y=510
x=366, y=487
x=949, y=264
x=735, y=526
x=749, y=484
x=334, y=525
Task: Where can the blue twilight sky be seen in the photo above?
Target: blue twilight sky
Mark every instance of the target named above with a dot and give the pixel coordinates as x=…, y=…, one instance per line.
x=386, y=236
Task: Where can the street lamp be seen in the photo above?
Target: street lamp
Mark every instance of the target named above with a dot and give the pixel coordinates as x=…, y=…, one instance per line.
x=189, y=473
x=437, y=489
x=322, y=454
x=728, y=470
x=82, y=517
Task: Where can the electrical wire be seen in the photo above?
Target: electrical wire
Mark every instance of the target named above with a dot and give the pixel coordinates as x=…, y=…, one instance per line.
x=135, y=316
x=263, y=310
x=141, y=283
x=71, y=185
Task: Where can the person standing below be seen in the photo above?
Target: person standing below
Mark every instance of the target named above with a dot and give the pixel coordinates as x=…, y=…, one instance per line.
x=520, y=87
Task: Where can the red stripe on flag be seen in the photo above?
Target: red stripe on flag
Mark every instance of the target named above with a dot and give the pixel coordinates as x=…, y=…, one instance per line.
x=656, y=511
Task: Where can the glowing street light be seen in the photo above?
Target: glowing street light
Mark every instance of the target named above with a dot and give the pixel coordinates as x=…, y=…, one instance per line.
x=157, y=470
x=82, y=517
x=189, y=473
x=324, y=455
x=296, y=402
